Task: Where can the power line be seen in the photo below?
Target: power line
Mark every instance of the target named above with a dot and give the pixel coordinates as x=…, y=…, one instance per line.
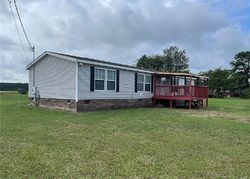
x=19, y=36
x=23, y=26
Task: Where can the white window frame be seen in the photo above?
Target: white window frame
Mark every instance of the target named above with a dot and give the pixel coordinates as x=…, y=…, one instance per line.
x=105, y=79
x=140, y=82
x=144, y=83
x=147, y=84
x=110, y=80
x=97, y=68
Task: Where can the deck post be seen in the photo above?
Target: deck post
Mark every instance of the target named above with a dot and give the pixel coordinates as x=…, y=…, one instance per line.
x=200, y=104
x=207, y=94
x=190, y=91
x=154, y=87
x=171, y=103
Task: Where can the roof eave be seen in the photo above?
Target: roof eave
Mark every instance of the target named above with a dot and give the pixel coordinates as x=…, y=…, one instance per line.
x=35, y=60
x=179, y=74
x=84, y=61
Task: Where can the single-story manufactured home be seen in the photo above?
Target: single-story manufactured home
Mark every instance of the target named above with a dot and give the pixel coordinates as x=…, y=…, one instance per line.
x=81, y=84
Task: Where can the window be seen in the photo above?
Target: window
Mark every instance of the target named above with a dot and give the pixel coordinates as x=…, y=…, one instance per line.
x=180, y=81
x=99, y=79
x=105, y=79
x=192, y=82
x=144, y=82
x=168, y=81
x=110, y=80
x=163, y=79
x=147, y=83
x=140, y=82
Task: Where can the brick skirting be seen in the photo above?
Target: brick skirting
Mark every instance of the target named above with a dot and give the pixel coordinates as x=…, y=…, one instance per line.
x=93, y=105
x=101, y=104
x=62, y=104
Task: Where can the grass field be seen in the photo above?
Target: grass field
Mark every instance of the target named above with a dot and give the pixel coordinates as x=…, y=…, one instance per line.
x=129, y=143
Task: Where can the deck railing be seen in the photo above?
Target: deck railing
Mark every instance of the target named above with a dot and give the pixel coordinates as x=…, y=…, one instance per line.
x=181, y=91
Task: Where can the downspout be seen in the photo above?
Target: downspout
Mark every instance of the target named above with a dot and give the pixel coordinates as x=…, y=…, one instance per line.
x=34, y=74
x=76, y=96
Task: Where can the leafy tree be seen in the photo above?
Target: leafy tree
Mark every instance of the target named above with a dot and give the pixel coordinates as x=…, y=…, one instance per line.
x=245, y=93
x=219, y=80
x=172, y=60
x=175, y=60
x=150, y=62
x=241, y=68
x=233, y=81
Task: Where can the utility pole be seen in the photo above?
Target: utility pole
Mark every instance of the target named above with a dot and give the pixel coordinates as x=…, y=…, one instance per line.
x=33, y=51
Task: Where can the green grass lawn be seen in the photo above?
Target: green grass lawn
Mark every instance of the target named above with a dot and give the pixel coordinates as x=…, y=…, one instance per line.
x=129, y=143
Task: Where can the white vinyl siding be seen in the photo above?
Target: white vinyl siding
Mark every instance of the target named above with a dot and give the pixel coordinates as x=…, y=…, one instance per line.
x=126, y=85
x=31, y=81
x=54, y=78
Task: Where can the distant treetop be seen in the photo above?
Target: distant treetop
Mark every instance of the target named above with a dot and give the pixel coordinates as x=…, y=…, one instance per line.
x=172, y=60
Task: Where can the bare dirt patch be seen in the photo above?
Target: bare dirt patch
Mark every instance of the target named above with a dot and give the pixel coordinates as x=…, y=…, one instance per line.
x=216, y=114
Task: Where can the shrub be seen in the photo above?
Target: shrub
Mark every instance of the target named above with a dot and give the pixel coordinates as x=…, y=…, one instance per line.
x=245, y=93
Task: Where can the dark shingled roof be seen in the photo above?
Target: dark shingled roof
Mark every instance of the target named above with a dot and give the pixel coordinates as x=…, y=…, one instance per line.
x=99, y=61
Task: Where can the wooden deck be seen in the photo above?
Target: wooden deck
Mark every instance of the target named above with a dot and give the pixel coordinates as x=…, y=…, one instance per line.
x=181, y=92
x=188, y=93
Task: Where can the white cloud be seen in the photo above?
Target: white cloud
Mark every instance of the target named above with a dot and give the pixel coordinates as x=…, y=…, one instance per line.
x=122, y=31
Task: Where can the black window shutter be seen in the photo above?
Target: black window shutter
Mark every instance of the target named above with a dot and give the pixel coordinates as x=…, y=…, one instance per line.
x=135, y=82
x=152, y=83
x=92, y=78
x=117, y=80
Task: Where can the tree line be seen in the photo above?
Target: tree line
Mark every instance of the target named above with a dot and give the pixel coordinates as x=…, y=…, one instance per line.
x=14, y=87
x=234, y=81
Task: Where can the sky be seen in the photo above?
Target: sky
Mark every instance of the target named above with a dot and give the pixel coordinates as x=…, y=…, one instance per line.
x=211, y=31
